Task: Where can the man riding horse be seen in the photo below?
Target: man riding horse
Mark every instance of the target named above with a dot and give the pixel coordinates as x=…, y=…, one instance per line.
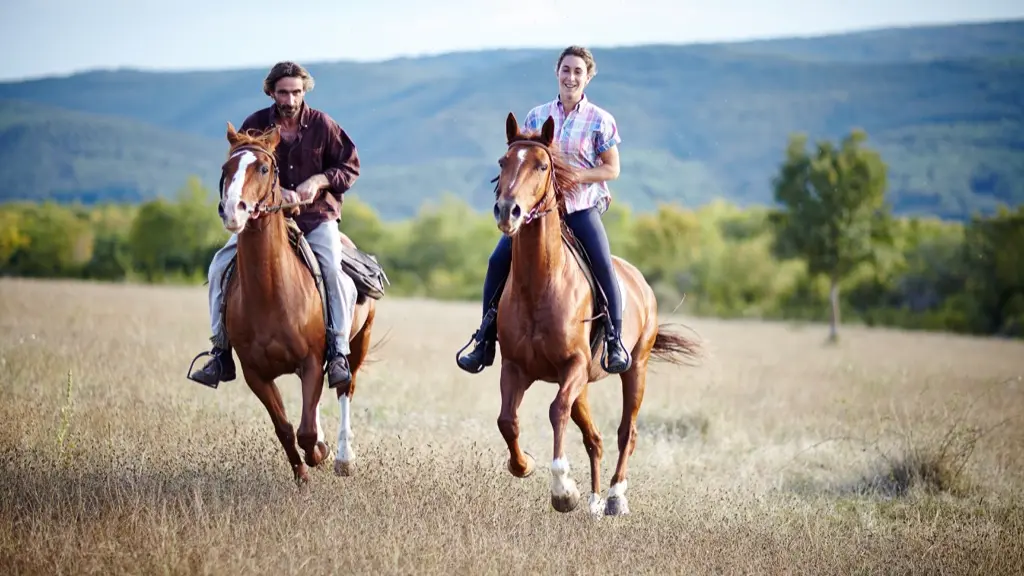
x=315, y=155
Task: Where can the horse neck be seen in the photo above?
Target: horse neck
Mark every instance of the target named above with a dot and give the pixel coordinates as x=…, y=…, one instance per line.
x=538, y=257
x=261, y=258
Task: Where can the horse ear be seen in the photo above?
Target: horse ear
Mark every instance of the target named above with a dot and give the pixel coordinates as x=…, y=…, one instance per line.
x=511, y=128
x=547, y=131
x=232, y=134
x=273, y=137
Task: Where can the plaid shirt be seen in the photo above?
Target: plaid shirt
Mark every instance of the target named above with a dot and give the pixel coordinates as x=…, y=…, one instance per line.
x=586, y=132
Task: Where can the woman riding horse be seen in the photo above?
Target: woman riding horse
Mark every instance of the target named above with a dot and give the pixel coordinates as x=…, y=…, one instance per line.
x=587, y=135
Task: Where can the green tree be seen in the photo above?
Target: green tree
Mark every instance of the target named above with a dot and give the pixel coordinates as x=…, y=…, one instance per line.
x=835, y=212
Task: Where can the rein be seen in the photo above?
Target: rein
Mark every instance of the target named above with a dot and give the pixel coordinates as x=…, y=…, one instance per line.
x=259, y=207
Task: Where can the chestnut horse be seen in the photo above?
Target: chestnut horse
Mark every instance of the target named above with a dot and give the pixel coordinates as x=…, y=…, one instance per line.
x=544, y=327
x=274, y=313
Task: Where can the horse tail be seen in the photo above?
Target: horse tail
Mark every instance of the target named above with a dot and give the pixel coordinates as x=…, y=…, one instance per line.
x=675, y=348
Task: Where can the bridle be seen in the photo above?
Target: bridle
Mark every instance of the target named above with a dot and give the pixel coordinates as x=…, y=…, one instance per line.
x=549, y=190
x=259, y=207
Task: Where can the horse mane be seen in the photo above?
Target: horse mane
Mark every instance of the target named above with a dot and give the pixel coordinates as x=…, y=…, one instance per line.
x=564, y=175
x=252, y=137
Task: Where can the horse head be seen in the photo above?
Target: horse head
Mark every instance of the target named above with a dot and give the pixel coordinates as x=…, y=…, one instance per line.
x=534, y=177
x=249, y=178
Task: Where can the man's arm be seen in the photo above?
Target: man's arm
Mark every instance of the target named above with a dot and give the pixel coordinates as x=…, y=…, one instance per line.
x=341, y=160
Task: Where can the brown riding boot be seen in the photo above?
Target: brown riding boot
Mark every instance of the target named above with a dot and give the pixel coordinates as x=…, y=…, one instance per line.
x=338, y=372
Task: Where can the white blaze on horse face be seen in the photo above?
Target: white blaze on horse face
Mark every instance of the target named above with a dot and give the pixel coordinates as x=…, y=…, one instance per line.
x=520, y=160
x=235, y=217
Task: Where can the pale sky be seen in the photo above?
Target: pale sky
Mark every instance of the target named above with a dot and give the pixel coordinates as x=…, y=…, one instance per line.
x=45, y=37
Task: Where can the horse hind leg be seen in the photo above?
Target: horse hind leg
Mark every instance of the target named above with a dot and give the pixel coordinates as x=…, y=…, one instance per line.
x=634, y=382
x=270, y=395
x=359, y=347
x=592, y=442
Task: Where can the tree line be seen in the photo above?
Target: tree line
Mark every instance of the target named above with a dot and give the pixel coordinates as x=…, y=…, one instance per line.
x=831, y=249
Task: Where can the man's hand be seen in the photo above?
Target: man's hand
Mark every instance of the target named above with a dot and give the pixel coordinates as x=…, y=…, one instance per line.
x=309, y=189
x=289, y=196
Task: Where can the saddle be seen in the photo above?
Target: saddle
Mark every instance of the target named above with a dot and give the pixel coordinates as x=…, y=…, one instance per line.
x=364, y=270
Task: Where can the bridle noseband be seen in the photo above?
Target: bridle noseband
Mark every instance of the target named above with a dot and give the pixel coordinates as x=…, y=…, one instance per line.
x=549, y=190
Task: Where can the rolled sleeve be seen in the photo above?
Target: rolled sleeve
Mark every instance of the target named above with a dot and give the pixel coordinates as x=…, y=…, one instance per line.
x=607, y=135
x=341, y=160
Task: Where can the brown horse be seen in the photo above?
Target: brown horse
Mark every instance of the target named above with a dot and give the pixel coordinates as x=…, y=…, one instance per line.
x=543, y=321
x=274, y=313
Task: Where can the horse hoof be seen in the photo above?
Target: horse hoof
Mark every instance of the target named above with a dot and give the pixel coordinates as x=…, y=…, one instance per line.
x=342, y=468
x=528, y=469
x=566, y=503
x=616, y=506
x=596, y=505
x=301, y=475
x=324, y=452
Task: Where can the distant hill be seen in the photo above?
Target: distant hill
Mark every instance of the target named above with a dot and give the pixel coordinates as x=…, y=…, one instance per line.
x=944, y=104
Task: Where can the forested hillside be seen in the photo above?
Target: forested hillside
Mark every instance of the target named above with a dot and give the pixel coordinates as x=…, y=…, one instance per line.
x=944, y=106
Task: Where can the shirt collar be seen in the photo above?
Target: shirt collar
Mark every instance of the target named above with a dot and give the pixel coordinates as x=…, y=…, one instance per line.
x=579, y=105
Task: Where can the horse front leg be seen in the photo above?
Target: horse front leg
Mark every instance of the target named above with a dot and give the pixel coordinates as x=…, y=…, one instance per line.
x=513, y=387
x=311, y=432
x=565, y=496
x=270, y=395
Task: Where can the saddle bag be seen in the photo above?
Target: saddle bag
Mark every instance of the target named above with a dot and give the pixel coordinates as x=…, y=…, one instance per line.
x=365, y=271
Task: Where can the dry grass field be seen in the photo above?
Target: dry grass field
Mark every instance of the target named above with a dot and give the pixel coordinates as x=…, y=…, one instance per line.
x=893, y=452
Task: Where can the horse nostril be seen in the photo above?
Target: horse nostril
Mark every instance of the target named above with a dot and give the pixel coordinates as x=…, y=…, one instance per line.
x=516, y=211
x=242, y=206
x=497, y=210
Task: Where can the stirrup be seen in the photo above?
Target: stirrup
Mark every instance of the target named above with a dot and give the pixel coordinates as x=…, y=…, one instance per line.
x=607, y=352
x=478, y=336
x=192, y=365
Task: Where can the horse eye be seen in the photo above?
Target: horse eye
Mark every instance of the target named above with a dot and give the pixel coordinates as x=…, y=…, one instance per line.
x=264, y=169
x=542, y=166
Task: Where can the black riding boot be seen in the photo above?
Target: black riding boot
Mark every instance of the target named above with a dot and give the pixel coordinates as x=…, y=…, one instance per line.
x=484, y=345
x=485, y=339
x=219, y=368
x=616, y=358
x=587, y=227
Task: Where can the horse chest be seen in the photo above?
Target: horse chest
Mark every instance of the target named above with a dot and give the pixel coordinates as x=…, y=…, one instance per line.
x=267, y=343
x=535, y=343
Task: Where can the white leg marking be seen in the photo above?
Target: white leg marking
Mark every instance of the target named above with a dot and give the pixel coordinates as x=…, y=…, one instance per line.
x=561, y=483
x=596, y=505
x=618, y=490
x=233, y=195
x=344, y=453
x=319, y=428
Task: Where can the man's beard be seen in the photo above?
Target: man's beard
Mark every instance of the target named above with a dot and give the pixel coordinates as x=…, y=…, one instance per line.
x=288, y=111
